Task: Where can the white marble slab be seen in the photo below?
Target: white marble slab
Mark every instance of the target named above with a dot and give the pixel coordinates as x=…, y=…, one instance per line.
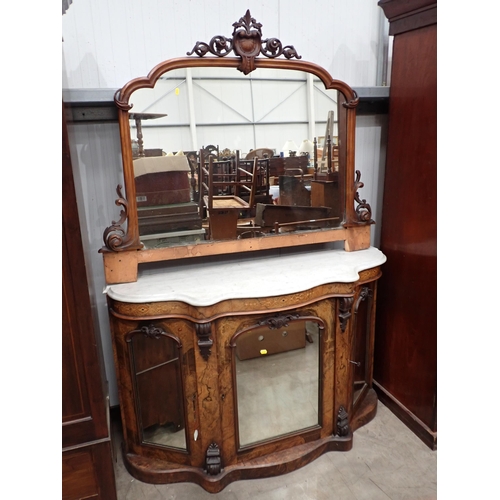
x=246, y=277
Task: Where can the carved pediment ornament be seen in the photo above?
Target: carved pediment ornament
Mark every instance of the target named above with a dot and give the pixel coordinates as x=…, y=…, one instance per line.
x=246, y=43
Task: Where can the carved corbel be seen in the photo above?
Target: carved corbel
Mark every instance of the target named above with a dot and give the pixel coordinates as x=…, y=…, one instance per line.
x=213, y=461
x=205, y=343
x=345, y=305
x=342, y=422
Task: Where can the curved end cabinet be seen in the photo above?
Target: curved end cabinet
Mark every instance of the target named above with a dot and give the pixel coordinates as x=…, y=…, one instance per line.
x=243, y=369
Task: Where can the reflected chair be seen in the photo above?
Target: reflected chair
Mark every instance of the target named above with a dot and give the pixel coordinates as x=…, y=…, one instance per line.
x=220, y=183
x=245, y=169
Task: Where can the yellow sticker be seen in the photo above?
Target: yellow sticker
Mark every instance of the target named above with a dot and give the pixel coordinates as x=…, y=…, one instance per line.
x=263, y=351
x=177, y=91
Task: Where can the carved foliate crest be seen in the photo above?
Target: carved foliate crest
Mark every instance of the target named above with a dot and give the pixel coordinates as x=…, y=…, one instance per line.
x=247, y=43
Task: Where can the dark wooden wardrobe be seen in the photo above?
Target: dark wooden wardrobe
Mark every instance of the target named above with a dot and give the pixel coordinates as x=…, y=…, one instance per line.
x=87, y=466
x=406, y=327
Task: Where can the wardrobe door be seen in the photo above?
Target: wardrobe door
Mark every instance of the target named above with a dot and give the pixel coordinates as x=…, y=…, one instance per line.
x=87, y=467
x=405, y=368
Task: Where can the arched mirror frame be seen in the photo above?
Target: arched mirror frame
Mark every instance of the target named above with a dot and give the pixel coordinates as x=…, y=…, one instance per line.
x=123, y=250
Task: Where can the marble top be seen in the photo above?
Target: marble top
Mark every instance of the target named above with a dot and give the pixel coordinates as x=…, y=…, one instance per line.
x=246, y=277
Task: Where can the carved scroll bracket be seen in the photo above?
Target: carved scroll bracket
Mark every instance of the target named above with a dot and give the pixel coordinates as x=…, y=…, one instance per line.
x=247, y=43
x=213, y=461
x=345, y=305
x=115, y=238
x=205, y=343
x=363, y=210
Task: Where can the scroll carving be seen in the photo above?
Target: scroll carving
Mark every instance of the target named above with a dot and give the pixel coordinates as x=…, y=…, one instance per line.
x=247, y=43
x=342, y=422
x=152, y=332
x=345, y=305
x=114, y=235
x=278, y=321
x=213, y=461
x=363, y=295
x=205, y=343
x=363, y=210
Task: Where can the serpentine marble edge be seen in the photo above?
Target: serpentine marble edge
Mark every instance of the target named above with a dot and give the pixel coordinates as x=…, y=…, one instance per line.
x=246, y=277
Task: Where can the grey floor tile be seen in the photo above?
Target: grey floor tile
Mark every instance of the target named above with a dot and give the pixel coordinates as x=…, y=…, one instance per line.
x=387, y=462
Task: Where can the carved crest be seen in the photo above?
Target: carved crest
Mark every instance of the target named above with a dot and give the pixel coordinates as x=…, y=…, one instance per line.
x=247, y=43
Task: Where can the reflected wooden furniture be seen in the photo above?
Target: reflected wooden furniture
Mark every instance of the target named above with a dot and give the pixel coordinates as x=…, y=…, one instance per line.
x=164, y=195
x=278, y=164
x=333, y=288
x=222, y=181
x=246, y=170
x=407, y=322
x=259, y=153
x=282, y=218
x=326, y=194
x=138, y=118
x=87, y=461
x=293, y=190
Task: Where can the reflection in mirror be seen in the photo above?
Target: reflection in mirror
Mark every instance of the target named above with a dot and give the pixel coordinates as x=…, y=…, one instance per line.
x=158, y=385
x=277, y=380
x=196, y=115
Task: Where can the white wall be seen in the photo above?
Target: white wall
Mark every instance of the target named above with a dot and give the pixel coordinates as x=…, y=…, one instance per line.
x=106, y=44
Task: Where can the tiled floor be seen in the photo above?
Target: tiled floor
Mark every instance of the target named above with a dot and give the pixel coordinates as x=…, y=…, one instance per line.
x=387, y=462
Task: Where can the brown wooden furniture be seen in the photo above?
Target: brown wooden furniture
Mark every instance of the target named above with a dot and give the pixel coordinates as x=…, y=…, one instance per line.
x=209, y=310
x=293, y=190
x=278, y=164
x=222, y=180
x=259, y=153
x=87, y=467
x=123, y=251
x=205, y=325
x=405, y=349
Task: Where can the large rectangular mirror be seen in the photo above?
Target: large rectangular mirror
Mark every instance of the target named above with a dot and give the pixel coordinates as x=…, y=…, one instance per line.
x=277, y=381
x=220, y=155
